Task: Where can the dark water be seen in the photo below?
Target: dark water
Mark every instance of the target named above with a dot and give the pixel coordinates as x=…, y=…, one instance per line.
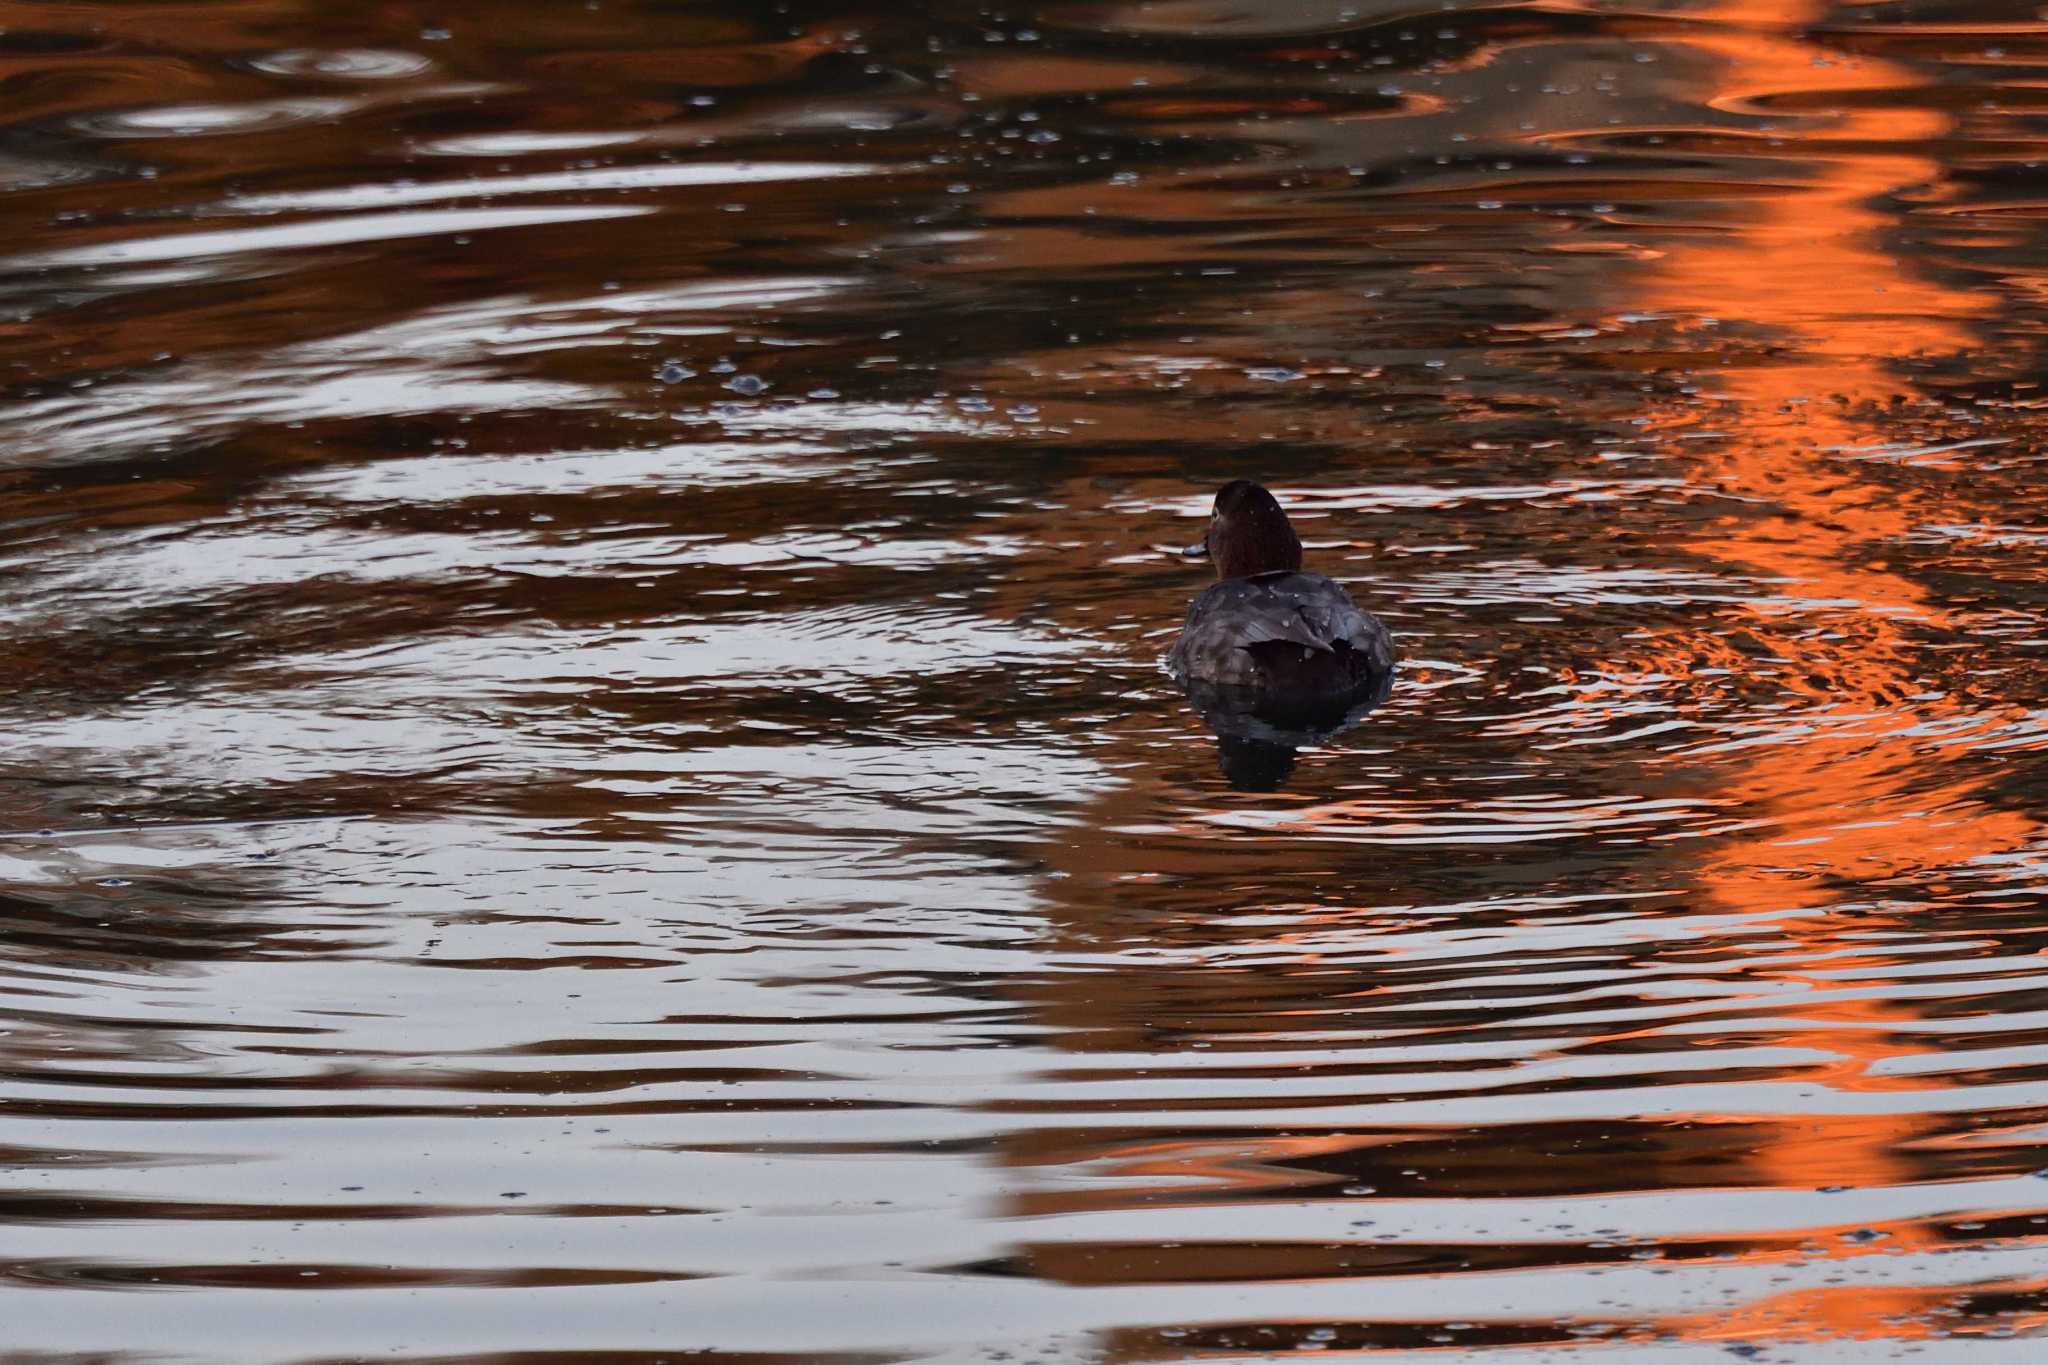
x=587, y=776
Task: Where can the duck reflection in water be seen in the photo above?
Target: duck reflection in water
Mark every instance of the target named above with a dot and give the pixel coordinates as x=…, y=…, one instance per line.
x=1274, y=658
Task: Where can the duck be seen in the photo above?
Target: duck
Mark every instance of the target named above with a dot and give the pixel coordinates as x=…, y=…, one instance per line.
x=1267, y=635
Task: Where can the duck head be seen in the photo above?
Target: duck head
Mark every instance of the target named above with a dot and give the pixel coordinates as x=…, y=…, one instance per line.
x=1248, y=534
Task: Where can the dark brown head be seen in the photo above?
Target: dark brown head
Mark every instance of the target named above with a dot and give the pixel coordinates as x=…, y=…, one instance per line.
x=1249, y=534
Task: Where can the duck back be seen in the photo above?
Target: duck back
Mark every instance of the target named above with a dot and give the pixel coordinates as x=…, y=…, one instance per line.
x=1291, y=637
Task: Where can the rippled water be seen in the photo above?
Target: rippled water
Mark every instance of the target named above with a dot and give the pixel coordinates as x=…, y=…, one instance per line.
x=588, y=776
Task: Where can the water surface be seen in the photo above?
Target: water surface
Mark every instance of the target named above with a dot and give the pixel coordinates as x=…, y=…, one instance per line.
x=588, y=776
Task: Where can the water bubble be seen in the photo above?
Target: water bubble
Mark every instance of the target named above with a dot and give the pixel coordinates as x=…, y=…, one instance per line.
x=747, y=385
x=674, y=372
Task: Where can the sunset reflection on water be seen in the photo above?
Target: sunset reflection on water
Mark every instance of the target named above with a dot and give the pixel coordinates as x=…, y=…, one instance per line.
x=590, y=778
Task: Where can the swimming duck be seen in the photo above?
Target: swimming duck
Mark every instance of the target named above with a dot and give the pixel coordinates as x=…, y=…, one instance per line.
x=1269, y=633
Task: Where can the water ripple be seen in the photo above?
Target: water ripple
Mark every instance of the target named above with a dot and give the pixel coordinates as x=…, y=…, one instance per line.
x=589, y=772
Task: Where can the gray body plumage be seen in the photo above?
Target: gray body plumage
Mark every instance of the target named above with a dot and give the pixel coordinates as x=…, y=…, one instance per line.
x=1283, y=635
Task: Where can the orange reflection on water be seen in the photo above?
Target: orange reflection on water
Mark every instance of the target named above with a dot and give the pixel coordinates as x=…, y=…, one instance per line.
x=1810, y=269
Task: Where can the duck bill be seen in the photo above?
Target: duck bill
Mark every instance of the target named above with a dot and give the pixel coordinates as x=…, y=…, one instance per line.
x=1198, y=550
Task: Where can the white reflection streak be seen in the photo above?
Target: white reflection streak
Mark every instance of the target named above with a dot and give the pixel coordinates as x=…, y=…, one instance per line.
x=376, y=227
x=614, y=178
x=431, y=362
